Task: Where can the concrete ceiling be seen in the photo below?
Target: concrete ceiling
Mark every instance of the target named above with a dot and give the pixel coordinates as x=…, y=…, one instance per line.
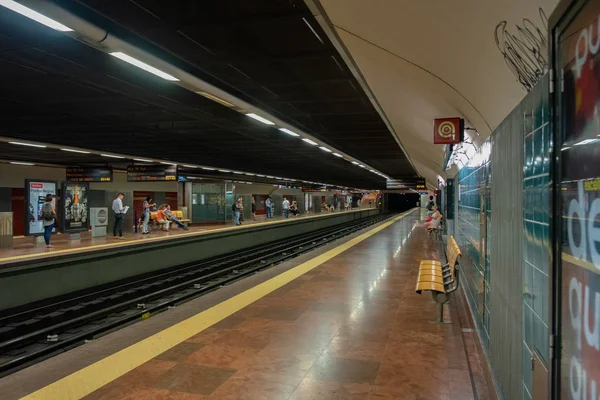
x=433, y=58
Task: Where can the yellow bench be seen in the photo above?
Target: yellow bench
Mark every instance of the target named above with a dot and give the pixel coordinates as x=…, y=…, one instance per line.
x=440, y=279
x=176, y=213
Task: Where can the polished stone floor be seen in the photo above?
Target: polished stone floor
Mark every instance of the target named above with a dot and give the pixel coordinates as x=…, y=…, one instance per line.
x=352, y=328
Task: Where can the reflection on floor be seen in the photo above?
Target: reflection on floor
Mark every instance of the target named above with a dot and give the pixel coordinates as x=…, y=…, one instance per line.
x=26, y=246
x=352, y=328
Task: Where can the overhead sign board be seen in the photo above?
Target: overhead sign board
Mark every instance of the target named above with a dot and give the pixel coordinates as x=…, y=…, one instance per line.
x=448, y=130
x=89, y=174
x=151, y=173
x=407, y=183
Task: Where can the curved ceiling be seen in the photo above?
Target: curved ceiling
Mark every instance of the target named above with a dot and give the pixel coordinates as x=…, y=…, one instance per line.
x=429, y=59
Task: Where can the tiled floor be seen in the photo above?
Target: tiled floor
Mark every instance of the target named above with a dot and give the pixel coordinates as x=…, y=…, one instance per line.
x=27, y=245
x=353, y=328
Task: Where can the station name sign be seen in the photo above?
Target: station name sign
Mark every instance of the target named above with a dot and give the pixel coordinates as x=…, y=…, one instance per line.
x=407, y=183
x=151, y=173
x=89, y=174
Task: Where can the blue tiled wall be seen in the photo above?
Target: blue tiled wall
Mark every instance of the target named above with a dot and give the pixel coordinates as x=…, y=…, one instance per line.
x=536, y=218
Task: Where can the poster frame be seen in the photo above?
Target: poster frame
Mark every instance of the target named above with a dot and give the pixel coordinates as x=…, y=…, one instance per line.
x=63, y=194
x=28, y=182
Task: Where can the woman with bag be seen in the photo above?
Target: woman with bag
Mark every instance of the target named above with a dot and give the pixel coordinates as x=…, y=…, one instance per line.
x=49, y=219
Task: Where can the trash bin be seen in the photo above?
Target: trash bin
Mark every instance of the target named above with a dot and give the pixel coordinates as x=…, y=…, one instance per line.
x=99, y=220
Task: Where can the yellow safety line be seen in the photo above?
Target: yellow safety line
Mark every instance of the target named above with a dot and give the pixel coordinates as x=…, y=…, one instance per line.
x=94, y=376
x=85, y=249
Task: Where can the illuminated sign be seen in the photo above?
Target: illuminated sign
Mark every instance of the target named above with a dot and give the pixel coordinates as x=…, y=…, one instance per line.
x=151, y=173
x=448, y=130
x=89, y=174
x=407, y=183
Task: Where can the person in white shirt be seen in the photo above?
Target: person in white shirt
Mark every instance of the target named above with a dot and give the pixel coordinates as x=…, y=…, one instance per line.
x=286, y=207
x=117, y=207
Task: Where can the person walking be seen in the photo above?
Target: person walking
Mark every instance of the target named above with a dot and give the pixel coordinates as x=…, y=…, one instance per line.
x=117, y=207
x=49, y=217
x=268, y=207
x=146, y=206
x=286, y=207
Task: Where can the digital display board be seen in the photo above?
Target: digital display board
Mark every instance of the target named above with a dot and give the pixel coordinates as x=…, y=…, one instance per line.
x=35, y=197
x=151, y=173
x=407, y=183
x=578, y=196
x=75, y=207
x=89, y=174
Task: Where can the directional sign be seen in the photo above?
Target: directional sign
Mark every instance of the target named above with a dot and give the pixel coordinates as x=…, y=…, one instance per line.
x=407, y=183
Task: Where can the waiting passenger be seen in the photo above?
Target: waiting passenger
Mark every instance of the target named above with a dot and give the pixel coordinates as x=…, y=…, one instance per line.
x=294, y=208
x=49, y=219
x=161, y=218
x=239, y=208
x=436, y=217
x=286, y=207
x=253, y=208
x=146, y=206
x=173, y=218
x=268, y=207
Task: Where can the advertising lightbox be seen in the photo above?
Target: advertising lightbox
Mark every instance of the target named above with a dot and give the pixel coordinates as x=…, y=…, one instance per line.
x=35, y=197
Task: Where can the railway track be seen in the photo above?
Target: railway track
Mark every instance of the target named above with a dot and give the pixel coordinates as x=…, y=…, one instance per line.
x=31, y=335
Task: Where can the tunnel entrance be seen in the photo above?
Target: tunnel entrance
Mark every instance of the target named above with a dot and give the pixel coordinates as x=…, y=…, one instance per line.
x=400, y=202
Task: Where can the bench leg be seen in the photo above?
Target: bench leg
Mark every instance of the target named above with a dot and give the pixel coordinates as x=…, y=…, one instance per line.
x=440, y=299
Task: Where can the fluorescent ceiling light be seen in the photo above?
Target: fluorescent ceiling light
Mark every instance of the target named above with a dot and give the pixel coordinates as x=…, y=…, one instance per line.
x=354, y=162
x=587, y=141
x=34, y=15
x=216, y=99
x=269, y=176
x=111, y=156
x=309, y=141
x=250, y=174
x=565, y=148
x=21, y=163
x=143, y=65
x=260, y=176
x=28, y=144
x=338, y=155
x=237, y=172
x=372, y=171
x=224, y=170
x=141, y=160
x=208, y=169
x=168, y=163
x=360, y=165
x=189, y=166
x=259, y=118
x=289, y=132
x=76, y=151
x=325, y=149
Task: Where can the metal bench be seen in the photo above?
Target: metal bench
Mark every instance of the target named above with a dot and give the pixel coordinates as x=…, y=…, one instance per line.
x=440, y=279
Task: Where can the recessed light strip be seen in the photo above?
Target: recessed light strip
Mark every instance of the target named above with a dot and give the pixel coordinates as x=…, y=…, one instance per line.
x=143, y=65
x=41, y=146
x=76, y=151
x=259, y=118
x=34, y=15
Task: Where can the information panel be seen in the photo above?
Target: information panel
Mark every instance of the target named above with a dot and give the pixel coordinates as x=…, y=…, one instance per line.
x=151, y=173
x=35, y=197
x=407, y=183
x=89, y=174
x=579, y=196
x=75, y=207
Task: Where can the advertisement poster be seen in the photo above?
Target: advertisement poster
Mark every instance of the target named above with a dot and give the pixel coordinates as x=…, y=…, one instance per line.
x=75, y=212
x=35, y=196
x=579, y=147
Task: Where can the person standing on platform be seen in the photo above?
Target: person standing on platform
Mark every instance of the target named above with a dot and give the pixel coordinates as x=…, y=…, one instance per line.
x=239, y=208
x=146, y=206
x=286, y=207
x=49, y=217
x=118, y=209
x=253, y=208
x=268, y=207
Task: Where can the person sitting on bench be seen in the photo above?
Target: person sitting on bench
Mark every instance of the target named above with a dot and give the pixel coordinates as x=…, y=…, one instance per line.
x=161, y=218
x=436, y=217
x=172, y=218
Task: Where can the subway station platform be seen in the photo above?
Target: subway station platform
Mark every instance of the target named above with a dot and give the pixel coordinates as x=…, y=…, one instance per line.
x=344, y=323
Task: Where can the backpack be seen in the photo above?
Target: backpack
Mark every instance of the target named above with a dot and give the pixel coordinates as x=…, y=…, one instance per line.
x=47, y=212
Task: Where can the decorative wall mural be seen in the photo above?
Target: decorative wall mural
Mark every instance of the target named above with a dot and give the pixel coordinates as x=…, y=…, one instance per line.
x=525, y=50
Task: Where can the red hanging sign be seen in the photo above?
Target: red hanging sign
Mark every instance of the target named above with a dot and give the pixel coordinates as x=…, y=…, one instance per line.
x=448, y=130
